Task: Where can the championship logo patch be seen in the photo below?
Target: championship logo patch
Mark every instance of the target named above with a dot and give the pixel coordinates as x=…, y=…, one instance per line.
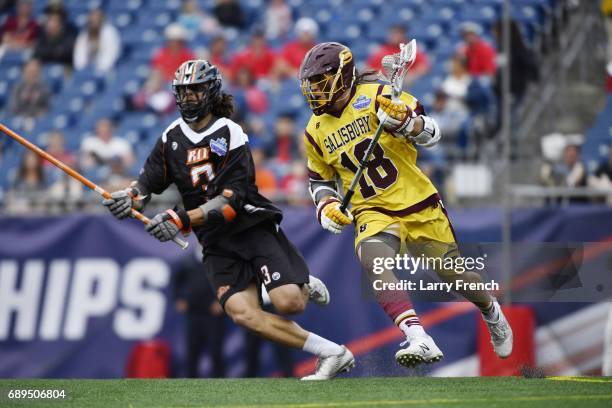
x=362, y=102
x=174, y=145
x=276, y=276
x=219, y=146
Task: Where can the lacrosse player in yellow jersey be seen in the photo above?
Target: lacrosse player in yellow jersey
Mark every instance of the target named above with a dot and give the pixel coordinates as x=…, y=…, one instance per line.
x=394, y=202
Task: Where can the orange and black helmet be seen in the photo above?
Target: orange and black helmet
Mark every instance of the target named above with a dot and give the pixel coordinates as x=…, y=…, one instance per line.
x=326, y=72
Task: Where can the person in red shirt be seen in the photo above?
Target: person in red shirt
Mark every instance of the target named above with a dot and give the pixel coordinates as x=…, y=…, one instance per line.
x=219, y=56
x=479, y=54
x=21, y=30
x=174, y=53
x=258, y=57
x=396, y=36
x=293, y=52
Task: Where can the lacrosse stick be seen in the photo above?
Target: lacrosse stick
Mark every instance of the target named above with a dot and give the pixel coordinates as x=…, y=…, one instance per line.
x=76, y=175
x=395, y=69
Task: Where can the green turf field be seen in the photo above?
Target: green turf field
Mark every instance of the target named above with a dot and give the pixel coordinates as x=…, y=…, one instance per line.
x=366, y=392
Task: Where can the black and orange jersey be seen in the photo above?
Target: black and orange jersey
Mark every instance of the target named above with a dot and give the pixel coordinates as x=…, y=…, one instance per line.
x=201, y=165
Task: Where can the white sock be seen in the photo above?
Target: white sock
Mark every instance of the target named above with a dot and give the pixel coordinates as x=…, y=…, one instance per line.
x=321, y=347
x=492, y=315
x=412, y=331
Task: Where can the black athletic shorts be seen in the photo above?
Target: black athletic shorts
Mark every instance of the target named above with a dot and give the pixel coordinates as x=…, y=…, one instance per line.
x=260, y=254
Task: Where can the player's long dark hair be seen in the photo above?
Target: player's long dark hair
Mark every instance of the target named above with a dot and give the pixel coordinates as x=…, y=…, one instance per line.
x=223, y=107
x=370, y=76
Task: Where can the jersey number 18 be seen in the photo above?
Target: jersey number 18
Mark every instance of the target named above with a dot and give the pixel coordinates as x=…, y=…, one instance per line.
x=377, y=162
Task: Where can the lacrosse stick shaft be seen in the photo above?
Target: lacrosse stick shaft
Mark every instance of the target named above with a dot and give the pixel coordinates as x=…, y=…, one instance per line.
x=366, y=157
x=76, y=175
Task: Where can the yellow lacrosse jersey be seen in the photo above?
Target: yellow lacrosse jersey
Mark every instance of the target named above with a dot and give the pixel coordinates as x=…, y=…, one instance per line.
x=391, y=181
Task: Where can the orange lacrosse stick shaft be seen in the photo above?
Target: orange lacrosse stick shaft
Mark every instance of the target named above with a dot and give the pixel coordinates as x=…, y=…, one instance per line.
x=76, y=175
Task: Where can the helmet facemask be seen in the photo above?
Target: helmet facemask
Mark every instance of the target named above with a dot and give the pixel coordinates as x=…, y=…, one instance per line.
x=322, y=90
x=193, y=101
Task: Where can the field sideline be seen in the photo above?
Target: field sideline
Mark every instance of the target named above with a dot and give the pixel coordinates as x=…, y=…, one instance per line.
x=291, y=393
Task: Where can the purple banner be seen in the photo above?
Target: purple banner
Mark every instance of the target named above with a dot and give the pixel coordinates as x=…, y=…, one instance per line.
x=77, y=292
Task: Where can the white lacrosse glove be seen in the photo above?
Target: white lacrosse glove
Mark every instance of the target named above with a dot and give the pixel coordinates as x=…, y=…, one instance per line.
x=330, y=217
x=396, y=116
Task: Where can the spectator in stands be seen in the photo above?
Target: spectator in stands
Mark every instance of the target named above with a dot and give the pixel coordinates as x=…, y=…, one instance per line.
x=30, y=176
x=293, y=52
x=278, y=19
x=249, y=98
x=294, y=184
x=116, y=175
x=56, y=41
x=472, y=95
x=64, y=190
x=452, y=119
x=601, y=179
x=30, y=96
x=264, y=177
x=396, y=36
x=205, y=320
x=480, y=55
x=570, y=172
x=456, y=84
x=29, y=185
x=194, y=20
x=258, y=57
x=170, y=57
x=20, y=31
x=229, y=13
x=57, y=6
x=286, y=149
x=56, y=147
x=103, y=146
x=523, y=64
x=155, y=95
x=98, y=46
x=219, y=55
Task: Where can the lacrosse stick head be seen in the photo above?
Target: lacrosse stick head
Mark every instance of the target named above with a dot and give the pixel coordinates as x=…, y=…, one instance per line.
x=396, y=66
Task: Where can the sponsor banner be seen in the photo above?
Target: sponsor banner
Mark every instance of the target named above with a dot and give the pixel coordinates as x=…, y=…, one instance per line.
x=78, y=291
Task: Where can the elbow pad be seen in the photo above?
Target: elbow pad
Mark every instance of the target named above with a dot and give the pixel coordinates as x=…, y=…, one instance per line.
x=430, y=135
x=320, y=189
x=219, y=209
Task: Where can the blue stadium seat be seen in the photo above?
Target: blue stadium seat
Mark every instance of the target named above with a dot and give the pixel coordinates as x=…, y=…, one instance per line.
x=121, y=20
x=123, y=6
x=13, y=58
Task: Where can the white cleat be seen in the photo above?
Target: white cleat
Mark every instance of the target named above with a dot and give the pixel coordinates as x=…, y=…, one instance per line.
x=317, y=291
x=501, y=334
x=420, y=350
x=329, y=367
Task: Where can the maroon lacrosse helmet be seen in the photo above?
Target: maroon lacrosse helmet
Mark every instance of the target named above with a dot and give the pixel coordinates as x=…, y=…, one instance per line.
x=326, y=72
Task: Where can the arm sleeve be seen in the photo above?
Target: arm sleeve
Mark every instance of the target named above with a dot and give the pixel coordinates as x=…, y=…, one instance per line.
x=154, y=177
x=321, y=175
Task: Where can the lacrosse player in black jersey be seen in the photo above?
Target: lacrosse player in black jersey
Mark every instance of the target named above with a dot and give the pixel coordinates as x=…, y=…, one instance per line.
x=206, y=155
